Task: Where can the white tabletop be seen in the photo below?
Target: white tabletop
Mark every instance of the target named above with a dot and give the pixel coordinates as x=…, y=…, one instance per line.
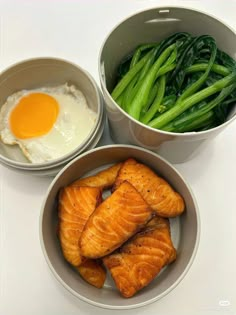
x=75, y=30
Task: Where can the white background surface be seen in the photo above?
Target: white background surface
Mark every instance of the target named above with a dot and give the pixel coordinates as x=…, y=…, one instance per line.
x=75, y=30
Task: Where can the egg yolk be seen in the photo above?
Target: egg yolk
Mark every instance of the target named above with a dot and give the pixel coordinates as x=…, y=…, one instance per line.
x=34, y=115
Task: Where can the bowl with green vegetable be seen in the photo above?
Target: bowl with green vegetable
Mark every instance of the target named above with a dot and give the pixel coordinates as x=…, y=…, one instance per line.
x=168, y=77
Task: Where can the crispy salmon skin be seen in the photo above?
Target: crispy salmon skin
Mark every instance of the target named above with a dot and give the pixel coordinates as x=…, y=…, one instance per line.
x=114, y=221
x=76, y=204
x=141, y=259
x=159, y=195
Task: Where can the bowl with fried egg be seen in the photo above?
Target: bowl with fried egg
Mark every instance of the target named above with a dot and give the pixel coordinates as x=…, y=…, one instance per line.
x=119, y=227
x=50, y=111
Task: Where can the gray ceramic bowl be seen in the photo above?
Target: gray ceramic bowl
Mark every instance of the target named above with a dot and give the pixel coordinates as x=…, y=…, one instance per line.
x=185, y=229
x=150, y=26
x=38, y=72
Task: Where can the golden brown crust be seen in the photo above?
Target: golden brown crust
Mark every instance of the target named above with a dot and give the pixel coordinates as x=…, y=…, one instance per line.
x=76, y=204
x=155, y=190
x=93, y=272
x=141, y=259
x=104, y=179
x=114, y=221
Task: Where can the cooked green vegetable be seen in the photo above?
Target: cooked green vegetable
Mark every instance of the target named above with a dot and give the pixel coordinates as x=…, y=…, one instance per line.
x=183, y=83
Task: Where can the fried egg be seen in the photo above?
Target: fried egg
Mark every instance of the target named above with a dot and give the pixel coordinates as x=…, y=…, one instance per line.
x=46, y=123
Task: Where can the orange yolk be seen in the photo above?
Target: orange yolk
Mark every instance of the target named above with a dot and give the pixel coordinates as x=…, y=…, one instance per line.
x=34, y=115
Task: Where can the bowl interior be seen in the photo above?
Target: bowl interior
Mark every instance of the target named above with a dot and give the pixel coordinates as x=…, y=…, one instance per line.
x=43, y=72
x=184, y=229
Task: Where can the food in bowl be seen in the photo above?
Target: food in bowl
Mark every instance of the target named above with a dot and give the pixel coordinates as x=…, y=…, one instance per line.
x=185, y=228
x=180, y=84
x=76, y=204
x=155, y=190
x=93, y=272
x=127, y=229
x=46, y=123
x=142, y=258
x=114, y=221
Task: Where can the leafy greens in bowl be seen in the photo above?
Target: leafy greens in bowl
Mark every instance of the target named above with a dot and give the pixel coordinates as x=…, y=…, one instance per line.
x=181, y=83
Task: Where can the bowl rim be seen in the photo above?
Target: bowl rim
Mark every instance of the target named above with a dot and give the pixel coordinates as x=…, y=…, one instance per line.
x=132, y=306
x=84, y=143
x=140, y=124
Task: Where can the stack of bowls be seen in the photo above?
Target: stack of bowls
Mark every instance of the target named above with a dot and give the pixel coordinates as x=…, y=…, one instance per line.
x=43, y=72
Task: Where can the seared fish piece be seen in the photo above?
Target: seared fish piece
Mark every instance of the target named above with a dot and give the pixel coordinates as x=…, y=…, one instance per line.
x=104, y=179
x=114, y=221
x=76, y=204
x=141, y=259
x=155, y=190
x=93, y=272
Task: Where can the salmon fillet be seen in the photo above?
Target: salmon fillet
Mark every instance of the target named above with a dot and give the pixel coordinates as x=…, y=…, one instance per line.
x=114, y=221
x=93, y=272
x=76, y=204
x=141, y=259
x=104, y=179
x=159, y=195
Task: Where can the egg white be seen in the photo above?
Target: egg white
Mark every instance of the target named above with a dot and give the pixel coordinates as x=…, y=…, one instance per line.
x=74, y=122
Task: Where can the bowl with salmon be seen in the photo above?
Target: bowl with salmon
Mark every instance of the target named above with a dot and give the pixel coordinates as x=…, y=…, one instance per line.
x=119, y=227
